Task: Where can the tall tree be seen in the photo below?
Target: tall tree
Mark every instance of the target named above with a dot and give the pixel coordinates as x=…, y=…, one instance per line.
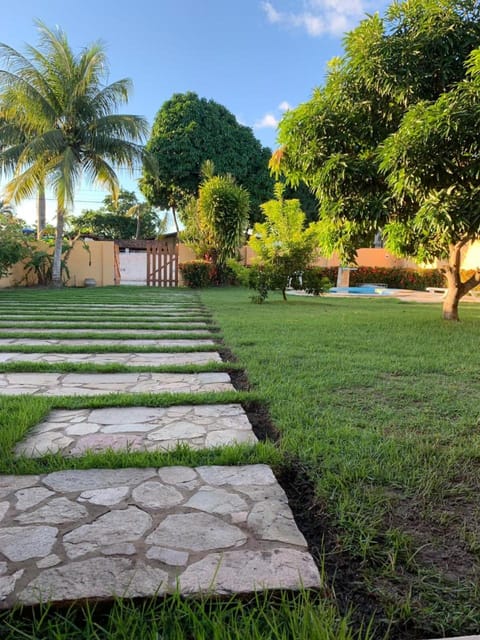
x=416, y=53
x=59, y=101
x=189, y=130
x=124, y=219
x=433, y=166
x=216, y=222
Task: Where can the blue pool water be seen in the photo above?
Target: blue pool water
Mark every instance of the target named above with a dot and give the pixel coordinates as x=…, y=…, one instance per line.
x=365, y=290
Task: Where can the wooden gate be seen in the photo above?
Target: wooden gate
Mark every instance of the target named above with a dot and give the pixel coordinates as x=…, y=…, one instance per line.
x=162, y=262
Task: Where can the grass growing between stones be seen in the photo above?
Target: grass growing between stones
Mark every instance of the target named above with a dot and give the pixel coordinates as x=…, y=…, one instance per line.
x=301, y=616
x=58, y=334
x=378, y=401
x=21, y=413
x=67, y=367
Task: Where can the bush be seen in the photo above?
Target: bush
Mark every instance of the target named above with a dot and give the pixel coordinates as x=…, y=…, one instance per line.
x=203, y=273
x=393, y=277
x=313, y=280
x=196, y=273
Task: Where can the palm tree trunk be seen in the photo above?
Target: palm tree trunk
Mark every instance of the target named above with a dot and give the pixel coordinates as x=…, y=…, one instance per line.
x=57, y=254
x=137, y=234
x=41, y=207
x=175, y=218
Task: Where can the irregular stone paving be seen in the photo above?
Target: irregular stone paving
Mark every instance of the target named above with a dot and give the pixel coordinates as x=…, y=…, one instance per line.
x=98, y=324
x=83, y=342
x=98, y=332
x=71, y=535
x=93, y=384
x=130, y=359
x=72, y=433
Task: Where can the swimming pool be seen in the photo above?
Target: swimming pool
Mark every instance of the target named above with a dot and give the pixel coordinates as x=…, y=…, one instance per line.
x=365, y=290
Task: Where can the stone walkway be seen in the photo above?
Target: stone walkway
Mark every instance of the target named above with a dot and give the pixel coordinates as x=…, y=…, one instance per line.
x=140, y=532
x=94, y=384
x=89, y=534
x=72, y=433
x=95, y=342
x=96, y=332
x=130, y=359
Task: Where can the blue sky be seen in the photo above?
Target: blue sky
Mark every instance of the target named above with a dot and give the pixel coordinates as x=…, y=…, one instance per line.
x=256, y=57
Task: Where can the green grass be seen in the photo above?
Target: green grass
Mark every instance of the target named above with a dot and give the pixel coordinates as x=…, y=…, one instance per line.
x=301, y=616
x=378, y=401
x=81, y=367
x=56, y=334
x=18, y=414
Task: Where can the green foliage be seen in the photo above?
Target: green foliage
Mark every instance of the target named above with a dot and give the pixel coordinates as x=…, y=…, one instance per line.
x=204, y=273
x=312, y=280
x=58, y=121
x=215, y=222
x=223, y=207
x=196, y=273
x=390, y=141
x=13, y=245
x=283, y=246
x=189, y=130
x=123, y=219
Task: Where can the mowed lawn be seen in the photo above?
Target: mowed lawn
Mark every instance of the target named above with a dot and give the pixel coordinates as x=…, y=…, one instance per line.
x=377, y=402
x=377, y=406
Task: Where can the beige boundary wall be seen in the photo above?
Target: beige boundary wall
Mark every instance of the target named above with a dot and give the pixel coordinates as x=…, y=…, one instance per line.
x=98, y=263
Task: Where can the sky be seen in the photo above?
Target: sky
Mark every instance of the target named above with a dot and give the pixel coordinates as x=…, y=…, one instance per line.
x=258, y=58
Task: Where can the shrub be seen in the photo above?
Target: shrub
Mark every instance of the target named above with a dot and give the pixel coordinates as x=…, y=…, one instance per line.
x=393, y=277
x=312, y=280
x=203, y=273
x=196, y=273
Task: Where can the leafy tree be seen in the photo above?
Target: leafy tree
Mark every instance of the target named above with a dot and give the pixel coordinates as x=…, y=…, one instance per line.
x=416, y=53
x=223, y=206
x=13, y=245
x=282, y=243
x=189, y=130
x=124, y=219
x=216, y=222
x=433, y=167
x=66, y=115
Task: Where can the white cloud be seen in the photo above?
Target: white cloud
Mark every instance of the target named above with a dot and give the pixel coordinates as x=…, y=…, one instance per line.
x=269, y=121
x=284, y=106
x=319, y=17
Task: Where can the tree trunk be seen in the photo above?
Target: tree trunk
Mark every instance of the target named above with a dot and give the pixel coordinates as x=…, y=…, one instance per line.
x=456, y=288
x=41, y=207
x=137, y=234
x=175, y=218
x=57, y=254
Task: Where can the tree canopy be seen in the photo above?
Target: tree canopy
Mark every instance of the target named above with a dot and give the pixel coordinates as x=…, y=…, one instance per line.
x=58, y=123
x=396, y=70
x=283, y=244
x=123, y=219
x=189, y=130
x=216, y=221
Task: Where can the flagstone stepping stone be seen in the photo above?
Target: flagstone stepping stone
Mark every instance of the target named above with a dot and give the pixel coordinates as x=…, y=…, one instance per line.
x=92, y=384
x=99, y=324
x=81, y=342
x=130, y=359
x=101, y=533
x=97, y=332
x=72, y=432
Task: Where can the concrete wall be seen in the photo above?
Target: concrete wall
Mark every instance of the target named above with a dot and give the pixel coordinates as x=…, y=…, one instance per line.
x=185, y=254
x=96, y=263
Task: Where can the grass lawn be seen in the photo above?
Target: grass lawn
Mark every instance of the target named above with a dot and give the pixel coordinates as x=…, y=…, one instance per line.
x=375, y=401
x=377, y=405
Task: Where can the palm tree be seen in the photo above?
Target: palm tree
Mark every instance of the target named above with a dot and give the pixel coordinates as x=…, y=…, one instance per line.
x=66, y=116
